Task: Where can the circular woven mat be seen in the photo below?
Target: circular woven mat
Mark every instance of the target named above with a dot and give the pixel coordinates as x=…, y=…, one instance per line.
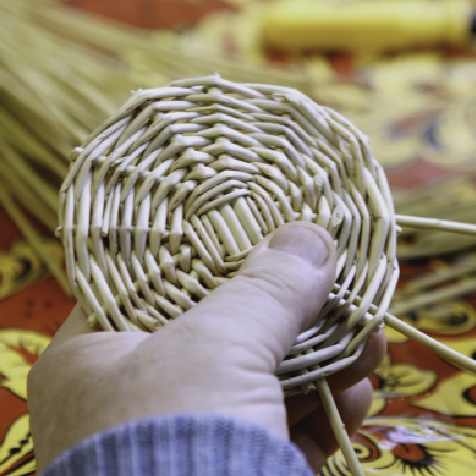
x=164, y=201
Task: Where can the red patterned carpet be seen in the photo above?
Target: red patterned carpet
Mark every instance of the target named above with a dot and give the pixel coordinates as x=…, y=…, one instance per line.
x=423, y=419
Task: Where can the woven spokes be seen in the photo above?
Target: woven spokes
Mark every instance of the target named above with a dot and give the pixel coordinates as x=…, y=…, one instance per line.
x=164, y=202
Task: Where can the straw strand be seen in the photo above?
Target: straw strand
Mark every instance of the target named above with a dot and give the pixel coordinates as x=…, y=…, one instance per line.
x=436, y=224
x=445, y=352
x=338, y=427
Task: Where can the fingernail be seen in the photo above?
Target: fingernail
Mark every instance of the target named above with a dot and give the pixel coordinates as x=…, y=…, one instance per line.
x=304, y=240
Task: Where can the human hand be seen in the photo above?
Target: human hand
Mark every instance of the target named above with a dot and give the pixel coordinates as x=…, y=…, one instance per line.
x=219, y=357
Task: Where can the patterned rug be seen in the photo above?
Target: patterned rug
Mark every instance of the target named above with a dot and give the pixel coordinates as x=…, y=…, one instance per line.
x=423, y=417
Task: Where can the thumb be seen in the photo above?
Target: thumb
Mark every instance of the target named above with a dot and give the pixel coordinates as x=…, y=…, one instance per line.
x=277, y=294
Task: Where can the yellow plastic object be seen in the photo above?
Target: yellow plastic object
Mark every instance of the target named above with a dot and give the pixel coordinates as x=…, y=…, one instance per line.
x=366, y=25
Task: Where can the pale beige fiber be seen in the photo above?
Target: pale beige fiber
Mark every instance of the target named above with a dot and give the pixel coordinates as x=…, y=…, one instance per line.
x=164, y=202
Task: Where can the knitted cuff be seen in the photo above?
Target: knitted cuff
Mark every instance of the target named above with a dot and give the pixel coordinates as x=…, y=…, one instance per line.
x=182, y=446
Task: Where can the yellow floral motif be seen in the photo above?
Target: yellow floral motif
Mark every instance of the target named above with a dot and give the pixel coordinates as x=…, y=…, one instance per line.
x=368, y=451
x=16, y=448
x=14, y=367
x=448, y=318
x=16, y=445
x=389, y=446
x=21, y=265
x=403, y=379
x=400, y=380
x=453, y=396
x=18, y=267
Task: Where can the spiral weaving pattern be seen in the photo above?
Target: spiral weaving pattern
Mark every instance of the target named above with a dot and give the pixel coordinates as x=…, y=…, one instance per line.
x=164, y=202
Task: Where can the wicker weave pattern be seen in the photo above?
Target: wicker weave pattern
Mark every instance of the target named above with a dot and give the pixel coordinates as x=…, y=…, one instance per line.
x=164, y=202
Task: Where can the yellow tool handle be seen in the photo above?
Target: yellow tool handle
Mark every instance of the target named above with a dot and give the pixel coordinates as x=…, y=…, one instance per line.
x=365, y=25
